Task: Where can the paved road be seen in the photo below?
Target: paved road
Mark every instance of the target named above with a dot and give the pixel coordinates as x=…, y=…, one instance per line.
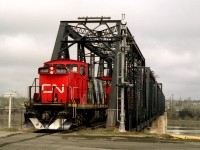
x=74, y=141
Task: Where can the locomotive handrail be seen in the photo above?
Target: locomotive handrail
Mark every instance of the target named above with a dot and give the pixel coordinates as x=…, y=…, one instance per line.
x=71, y=90
x=35, y=94
x=34, y=81
x=29, y=92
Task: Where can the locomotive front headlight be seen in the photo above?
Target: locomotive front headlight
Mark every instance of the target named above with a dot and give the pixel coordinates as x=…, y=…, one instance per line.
x=61, y=71
x=44, y=70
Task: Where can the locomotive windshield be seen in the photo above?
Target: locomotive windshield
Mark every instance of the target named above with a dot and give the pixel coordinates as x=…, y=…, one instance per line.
x=82, y=70
x=72, y=67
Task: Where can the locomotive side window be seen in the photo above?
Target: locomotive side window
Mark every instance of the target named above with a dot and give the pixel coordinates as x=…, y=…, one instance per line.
x=82, y=70
x=72, y=67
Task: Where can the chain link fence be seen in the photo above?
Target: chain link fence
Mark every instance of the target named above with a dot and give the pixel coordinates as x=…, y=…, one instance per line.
x=17, y=112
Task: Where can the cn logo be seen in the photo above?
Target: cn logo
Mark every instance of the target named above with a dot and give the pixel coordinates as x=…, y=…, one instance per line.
x=47, y=86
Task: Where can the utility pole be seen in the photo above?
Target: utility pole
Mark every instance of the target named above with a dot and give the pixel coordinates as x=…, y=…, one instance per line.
x=172, y=101
x=124, y=49
x=9, y=114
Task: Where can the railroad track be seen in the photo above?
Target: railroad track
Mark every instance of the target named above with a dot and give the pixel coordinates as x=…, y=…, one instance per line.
x=92, y=126
x=32, y=134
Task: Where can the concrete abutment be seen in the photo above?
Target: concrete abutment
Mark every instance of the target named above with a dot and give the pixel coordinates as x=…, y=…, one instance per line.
x=159, y=125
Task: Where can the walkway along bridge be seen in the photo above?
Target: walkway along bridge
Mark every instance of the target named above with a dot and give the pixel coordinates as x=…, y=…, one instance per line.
x=136, y=98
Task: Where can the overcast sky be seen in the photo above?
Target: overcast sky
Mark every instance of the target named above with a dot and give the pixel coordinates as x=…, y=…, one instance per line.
x=166, y=31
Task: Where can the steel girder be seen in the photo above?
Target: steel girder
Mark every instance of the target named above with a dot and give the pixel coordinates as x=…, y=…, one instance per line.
x=146, y=99
x=100, y=42
x=99, y=36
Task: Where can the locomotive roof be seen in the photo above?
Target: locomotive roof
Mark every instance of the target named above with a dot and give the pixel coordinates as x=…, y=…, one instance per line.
x=65, y=61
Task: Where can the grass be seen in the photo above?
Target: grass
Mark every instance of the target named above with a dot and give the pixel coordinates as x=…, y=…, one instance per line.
x=184, y=123
x=9, y=129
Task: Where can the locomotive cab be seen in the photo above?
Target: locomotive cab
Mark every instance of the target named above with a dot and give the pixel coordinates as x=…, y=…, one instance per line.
x=63, y=81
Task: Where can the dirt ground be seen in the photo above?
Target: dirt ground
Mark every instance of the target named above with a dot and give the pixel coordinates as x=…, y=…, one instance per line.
x=90, y=139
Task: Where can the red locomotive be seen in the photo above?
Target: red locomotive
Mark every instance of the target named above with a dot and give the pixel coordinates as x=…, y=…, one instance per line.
x=66, y=95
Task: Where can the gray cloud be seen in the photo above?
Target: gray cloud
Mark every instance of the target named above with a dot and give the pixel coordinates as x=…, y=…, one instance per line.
x=166, y=31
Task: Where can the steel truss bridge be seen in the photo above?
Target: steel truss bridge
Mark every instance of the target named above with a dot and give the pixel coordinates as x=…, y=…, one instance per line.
x=136, y=98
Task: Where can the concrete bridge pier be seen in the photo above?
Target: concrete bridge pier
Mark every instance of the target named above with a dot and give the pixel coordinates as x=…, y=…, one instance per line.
x=159, y=126
x=111, y=118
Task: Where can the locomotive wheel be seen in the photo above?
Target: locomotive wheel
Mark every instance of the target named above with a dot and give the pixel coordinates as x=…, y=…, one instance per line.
x=79, y=120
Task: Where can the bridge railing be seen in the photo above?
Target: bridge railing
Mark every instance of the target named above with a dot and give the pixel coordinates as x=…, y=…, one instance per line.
x=146, y=100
